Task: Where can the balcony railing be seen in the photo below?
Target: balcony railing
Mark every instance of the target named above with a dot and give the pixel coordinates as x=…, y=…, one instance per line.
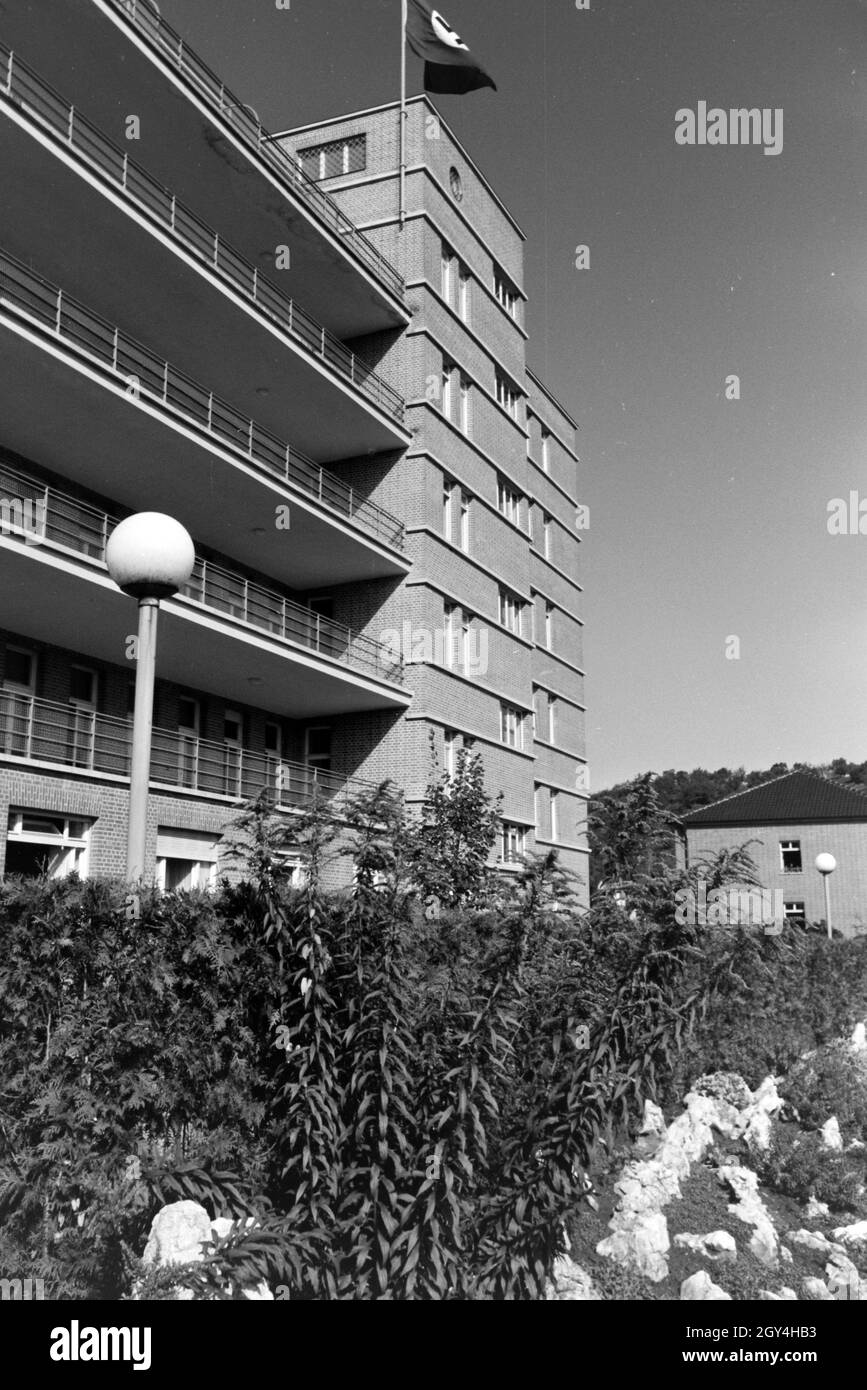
x=39, y=100
x=36, y=513
x=146, y=376
x=69, y=736
x=246, y=125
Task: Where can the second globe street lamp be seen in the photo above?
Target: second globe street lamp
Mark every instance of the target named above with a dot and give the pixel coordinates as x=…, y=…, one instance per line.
x=149, y=556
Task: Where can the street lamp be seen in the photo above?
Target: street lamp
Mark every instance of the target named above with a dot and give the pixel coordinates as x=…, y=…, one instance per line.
x=826, y=864
x=149, y=556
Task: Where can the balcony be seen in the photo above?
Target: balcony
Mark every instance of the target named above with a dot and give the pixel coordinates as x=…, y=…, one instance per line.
x=223, y=631
x=64, y=736
x=46, y=146
x=120, y=397
x=117, y=57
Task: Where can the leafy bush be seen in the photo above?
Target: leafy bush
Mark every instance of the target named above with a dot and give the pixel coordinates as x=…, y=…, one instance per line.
x=803, y=1167
x=830, y=1082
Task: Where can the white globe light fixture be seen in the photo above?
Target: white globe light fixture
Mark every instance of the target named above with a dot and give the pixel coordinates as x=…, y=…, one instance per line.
x=826, y=864
x=149, y=556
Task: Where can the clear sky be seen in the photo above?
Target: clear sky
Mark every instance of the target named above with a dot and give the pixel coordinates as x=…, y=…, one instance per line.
x=709, y=517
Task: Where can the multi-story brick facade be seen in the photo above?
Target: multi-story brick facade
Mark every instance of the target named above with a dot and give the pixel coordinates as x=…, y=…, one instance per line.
x=788, y=822
x=242, y=331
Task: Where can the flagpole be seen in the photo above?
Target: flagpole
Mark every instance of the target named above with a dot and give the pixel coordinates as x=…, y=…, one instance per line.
x=403, y=111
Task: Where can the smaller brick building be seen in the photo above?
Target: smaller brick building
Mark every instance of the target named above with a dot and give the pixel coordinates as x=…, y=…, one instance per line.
x=792, y=819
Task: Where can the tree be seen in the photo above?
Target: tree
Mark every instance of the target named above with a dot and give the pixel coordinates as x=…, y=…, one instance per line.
x=452, y=843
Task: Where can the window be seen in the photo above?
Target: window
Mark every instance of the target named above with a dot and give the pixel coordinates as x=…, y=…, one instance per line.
x=552, y=718
x=186, y=860
x=508, y=396
x=466, y=643
x=82, y=687
x=509, y=501
x=449, y=372
x=555, y=815
x=794, y=912
x=511, y=726
x=347, y=156
x=317, y=747
x=451, y=627
x=549, y=625
x=512, y=843
x=546, y=535
x=38, y=843
x=546, y=449
x=20, y=670
x=506, y=292
x=790, y=856
x=465, y=421
x=450, y=752
x=277, y=775
x=465, y=523
x=464, y=294
x=448, y=487
x=510, y=611
x=456, y=185
x=449, y=265
x=189, y=720
x=188, y=716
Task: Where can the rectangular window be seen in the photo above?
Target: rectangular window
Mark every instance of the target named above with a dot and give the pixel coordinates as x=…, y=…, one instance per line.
x=451, y=633
x=448, y=488
x=465, y=523
x=464, y=294
x=506, y=292
x=794, y=912
x=42, y=843
x=186, y=860
x=510, y=611
x=466, y=646
x=549, y=626
x=509, y=501
x=555, y=816
x=317, y=747
x=546, y=450
x=466, y=419
x=512, y=843
x=552, y=718
x=447, y=273
x=508, y=396
x=448, y=389
x=329, y=161
x=790, y=856
x=546, y=535
x=82, y=686
x=20, y=670
x=511, y=726
x=450, y=752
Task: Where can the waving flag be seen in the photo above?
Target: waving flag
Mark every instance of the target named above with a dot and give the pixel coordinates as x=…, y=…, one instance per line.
x=449, y=66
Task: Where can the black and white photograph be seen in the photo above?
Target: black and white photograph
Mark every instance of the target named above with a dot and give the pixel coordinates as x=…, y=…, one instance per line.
x=433, y=672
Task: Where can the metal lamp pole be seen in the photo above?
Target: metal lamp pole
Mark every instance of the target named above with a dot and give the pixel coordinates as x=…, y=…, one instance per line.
x=826, y=864
x=149, y=556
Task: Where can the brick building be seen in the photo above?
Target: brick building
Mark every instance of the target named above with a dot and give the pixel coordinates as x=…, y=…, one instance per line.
x=792, y=819
x=199, y=318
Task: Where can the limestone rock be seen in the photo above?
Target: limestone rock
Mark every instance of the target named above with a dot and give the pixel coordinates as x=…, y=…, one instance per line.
x=817, y=1291
x=814, y=1210
x=700, y=1288
x=640, y=1243
x=851, y=1235
x=177, y=1234
x=831, y=1136
x=570, y=1283
x=718, y=1245
x=750, y=1209
x=654, y=1120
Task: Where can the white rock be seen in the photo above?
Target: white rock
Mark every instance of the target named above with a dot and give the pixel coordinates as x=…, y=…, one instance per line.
x=718, y=1245
x=700, y=1288
x=831, y=1136
x=858, y=1040
x=654, y=1120
x=177, y=1234
x=817, y=1290
x=570, y=1283
x=813, y=1210
x=641, y=1244
x=851, y=1235
x=750, y=1209
x=812, y=1240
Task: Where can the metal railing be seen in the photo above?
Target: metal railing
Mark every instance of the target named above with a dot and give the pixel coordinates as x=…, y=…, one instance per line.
x=229, y=108
x=146, y=376
x=70, y=736
x=41, y=101
x=48, y=515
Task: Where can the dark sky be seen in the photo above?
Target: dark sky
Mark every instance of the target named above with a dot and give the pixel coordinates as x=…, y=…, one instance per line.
x=709, y=518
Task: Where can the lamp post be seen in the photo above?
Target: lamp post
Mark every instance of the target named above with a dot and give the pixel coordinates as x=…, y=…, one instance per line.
x=826, y=864
x=149, y=556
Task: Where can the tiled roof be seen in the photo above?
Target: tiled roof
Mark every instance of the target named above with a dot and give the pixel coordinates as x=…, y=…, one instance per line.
x=796, y=796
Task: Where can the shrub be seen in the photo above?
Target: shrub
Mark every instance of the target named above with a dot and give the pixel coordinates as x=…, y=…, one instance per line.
x=830, y=1082
x=802, y=1167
